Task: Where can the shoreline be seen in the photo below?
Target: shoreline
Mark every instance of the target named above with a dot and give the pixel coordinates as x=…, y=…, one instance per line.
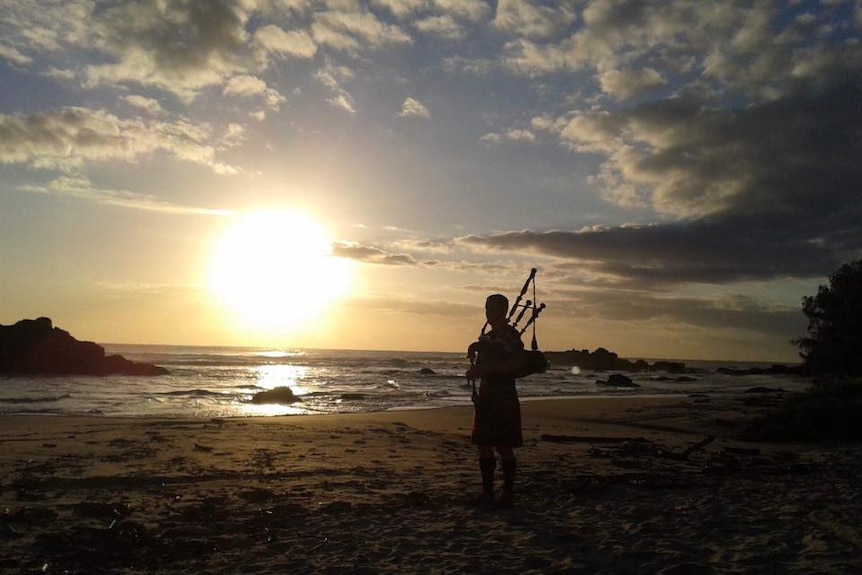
x=605, y=485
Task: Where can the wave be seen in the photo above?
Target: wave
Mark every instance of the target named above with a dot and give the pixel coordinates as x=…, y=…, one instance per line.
x=191, y=392
x=244, y=357
x=44, y=399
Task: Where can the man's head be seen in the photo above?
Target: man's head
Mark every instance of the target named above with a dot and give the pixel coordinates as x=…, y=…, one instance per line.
x=496, y=308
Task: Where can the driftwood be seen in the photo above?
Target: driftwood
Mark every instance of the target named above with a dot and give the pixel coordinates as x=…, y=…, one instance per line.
x=742, y=450
x=697, y=446
x=589, y=439
x=652, y=449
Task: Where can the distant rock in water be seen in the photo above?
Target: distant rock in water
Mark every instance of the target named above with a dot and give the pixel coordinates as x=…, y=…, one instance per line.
x=36, y=347
x=280, y=395
x=427, y=371
x=618, y=380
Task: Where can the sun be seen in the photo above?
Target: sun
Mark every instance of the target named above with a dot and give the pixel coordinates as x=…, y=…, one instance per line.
x=275, y=269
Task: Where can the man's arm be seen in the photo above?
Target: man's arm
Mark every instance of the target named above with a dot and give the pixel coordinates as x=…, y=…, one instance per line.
x=510, y=366
x=513, y=364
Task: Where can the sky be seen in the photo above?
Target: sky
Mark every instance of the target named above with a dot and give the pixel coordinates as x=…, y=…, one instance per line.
x=680, y=173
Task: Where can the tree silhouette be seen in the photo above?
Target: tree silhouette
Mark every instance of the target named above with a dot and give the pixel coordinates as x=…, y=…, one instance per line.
x=834, y=341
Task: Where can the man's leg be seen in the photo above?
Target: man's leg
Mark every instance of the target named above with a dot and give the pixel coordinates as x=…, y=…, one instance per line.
x=510, y=466
x=487, y=465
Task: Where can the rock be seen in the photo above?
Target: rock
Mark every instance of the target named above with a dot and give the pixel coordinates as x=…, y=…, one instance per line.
x=279, y=395
x=761, y=389
x=36, y=347
x=427, y=371
x=618, y=380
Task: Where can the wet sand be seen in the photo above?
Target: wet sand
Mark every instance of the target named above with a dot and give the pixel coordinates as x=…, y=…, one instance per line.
x=604, y=486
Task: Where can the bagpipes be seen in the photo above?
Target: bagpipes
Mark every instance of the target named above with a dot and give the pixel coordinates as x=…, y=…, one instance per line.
x=534, y=360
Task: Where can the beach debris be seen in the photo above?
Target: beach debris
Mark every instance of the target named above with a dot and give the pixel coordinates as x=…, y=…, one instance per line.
x=589, y=439
x=697, y=446
x=8, y=532
x=204, y=448
x=742, y=450
x=323, y=540
x=281, y=394
x=630, y=445
x=101, y=510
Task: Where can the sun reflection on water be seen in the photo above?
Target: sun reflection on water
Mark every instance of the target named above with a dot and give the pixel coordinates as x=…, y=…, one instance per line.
x=271, y=409
x=274, y=376
x=281, y=375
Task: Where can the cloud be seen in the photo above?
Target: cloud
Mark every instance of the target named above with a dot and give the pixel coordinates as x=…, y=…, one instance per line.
x=529, y=58
x=728, y=311
x=413, y=108
x=444, y=26
x=512, y=135
x=715, y=251
x=423, y=308
x=274, y=40
x=343, y=101
x=685, y=158
x=250, y=86
x=349, y=30
x=471, y=66
x=469, y=10
x=401, y=9
x=148, y=105
x=69, y=137
x=179, y=47
x=332, y=77
x=371, y=255
x=625, y=84
x=244, y=85
x=525, y=19
x=13, y=55
x=81, y=187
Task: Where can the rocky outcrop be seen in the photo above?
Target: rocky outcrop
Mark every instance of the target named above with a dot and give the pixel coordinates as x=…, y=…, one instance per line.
x=603, y=360
x=36, y=347
x=278, y=395
x=618, y=380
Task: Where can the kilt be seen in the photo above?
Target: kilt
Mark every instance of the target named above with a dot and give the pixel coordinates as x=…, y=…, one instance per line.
x=497, y=417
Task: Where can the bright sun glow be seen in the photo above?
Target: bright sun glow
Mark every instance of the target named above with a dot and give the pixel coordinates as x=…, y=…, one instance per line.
x=276, y=270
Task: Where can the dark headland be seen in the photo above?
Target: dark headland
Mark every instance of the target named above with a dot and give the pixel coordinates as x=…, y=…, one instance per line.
x=36, y=347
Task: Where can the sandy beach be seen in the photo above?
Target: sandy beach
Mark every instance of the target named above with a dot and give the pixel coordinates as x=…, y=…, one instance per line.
x=605, y=486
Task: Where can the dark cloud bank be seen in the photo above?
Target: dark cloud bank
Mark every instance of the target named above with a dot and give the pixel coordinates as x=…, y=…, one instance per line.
x=785, y=176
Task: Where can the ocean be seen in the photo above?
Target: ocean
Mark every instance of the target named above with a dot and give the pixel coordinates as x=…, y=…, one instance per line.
x=209, y=382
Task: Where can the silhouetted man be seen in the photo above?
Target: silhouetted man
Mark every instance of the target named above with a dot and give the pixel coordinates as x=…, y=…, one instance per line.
x=499, y=356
